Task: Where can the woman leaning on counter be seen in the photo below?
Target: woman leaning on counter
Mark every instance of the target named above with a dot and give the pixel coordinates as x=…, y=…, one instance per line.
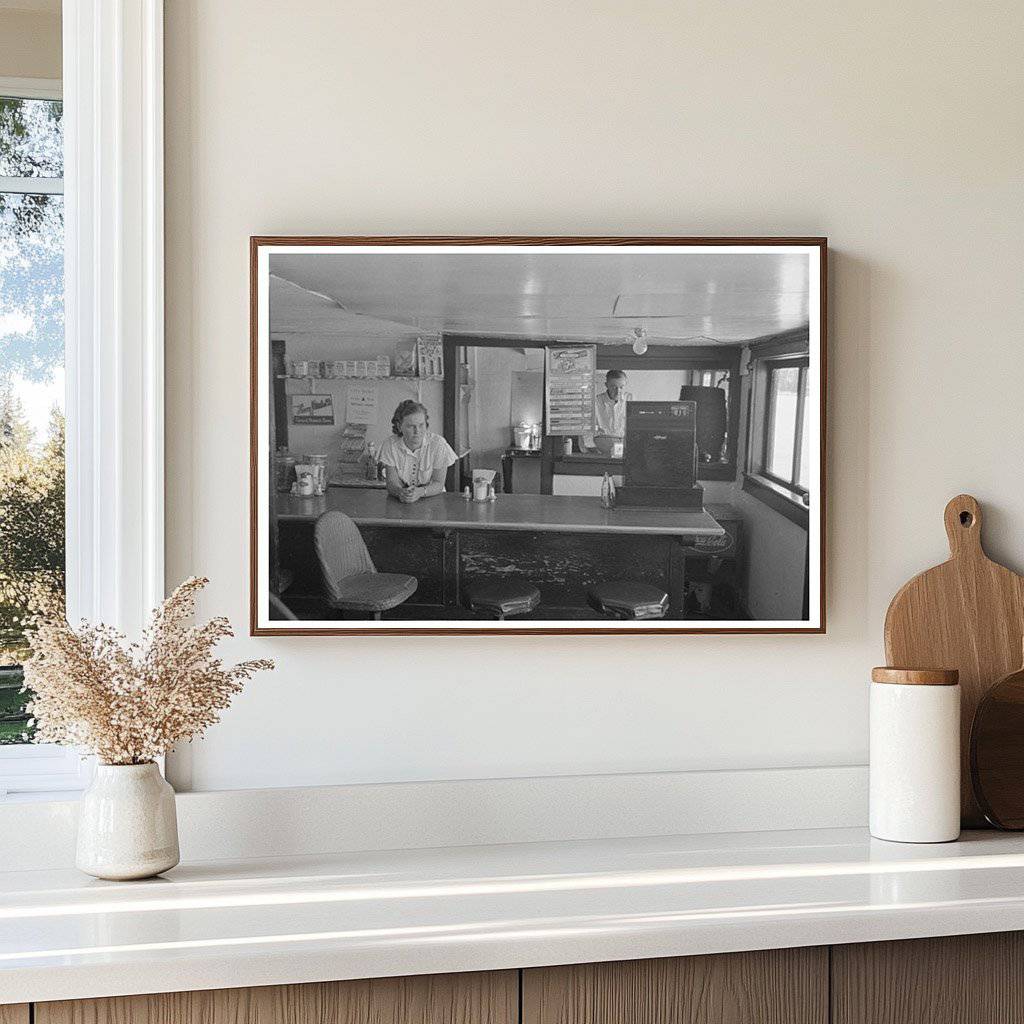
x=415, y=459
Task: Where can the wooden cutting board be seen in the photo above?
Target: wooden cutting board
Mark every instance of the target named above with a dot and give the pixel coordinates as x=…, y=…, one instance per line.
x=997, y=753
x=967, y=614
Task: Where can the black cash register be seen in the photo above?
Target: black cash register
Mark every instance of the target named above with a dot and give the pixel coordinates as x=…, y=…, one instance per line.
x=660, y=457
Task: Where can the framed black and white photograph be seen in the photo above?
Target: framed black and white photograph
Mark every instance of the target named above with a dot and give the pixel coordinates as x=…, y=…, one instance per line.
x=537, y=435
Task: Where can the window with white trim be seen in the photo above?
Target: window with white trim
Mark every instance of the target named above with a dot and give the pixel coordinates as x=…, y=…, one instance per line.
x=786, y=433
x=112, y=119
x=32, y=513
x=778, y=463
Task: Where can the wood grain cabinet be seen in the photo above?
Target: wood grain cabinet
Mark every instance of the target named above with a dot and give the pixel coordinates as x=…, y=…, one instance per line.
x=963, y=979
x=491, y=998
x=969, y=979
x=778, y=986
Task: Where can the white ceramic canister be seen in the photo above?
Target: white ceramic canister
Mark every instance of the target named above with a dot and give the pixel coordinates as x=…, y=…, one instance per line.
x=915, y=755
x=127, y=825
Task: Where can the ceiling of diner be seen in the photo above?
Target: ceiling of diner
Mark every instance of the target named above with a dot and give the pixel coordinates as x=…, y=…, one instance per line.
x=678, y=298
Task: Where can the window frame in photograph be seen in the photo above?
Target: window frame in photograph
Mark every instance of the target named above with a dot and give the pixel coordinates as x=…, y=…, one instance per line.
x=785, y=496
x=774, y=366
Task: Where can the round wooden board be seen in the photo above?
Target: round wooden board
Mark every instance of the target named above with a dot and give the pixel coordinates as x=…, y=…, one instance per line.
x=997, y=753
x=968, y=614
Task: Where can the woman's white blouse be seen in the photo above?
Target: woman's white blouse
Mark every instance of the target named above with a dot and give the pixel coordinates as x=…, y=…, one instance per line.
x=417, y=468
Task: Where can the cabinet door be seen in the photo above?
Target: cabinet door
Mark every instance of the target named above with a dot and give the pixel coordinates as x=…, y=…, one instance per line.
x=962, y=979
x=14, y=1013
x=479, y=998
x=779, y=986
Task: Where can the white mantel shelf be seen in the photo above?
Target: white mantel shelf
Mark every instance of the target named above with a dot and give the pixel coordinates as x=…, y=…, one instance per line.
x=222, y=924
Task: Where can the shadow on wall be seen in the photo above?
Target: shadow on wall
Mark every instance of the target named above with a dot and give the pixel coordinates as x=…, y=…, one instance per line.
x=849, y=364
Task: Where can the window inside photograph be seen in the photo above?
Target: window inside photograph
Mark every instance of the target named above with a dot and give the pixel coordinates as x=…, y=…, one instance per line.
x=787, y=427
x=803, y=475
x=31, y=385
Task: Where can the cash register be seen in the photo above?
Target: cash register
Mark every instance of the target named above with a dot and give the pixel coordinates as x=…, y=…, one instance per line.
x=660, y=457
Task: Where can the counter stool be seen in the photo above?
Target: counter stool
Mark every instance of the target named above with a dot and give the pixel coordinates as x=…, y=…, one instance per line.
x=278, y=609
x=502, y=599
x=622, y=599
x=351, y=580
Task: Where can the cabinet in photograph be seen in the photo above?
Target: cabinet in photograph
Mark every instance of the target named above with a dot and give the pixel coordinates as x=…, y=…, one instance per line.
x=475, y=998
x=961, y=979
x=776, y=986
x=14, y=1014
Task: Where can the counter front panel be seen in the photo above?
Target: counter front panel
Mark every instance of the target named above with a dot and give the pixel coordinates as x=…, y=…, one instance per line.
x=560, y=544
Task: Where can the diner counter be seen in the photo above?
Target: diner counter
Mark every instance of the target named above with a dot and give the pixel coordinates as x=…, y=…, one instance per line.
x=356, y=915
x=530, y=512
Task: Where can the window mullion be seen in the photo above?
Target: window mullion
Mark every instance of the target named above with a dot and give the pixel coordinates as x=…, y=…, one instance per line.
x=767, y=421
x=798, y=425
x=32, y=186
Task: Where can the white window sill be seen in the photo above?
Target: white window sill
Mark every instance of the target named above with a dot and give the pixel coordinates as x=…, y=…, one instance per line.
x=42, y=771
x=781, y=499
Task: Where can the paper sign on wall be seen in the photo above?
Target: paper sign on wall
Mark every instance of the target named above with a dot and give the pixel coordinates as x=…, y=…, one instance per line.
x=569, y=389
x=361, y=403
x=313, y=410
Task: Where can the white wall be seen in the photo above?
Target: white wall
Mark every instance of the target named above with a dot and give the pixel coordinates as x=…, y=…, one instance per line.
x=895, y=129
x=30, y=45
x=776, y=555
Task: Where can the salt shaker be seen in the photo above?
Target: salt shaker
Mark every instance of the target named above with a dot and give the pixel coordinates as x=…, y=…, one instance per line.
x=915, y=755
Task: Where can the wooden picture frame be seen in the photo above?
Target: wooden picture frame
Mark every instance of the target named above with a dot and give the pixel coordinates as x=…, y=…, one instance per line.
x=447, y=550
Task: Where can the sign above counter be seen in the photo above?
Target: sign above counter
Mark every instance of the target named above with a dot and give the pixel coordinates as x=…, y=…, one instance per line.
x=569, y=389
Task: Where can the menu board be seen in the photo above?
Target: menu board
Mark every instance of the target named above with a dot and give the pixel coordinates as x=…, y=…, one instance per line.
x=569, y=389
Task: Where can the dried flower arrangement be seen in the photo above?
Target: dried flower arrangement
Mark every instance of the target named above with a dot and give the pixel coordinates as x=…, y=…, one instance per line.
x=130, y=703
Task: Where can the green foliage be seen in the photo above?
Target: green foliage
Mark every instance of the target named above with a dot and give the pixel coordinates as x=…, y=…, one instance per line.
x=31, y=346
x=14, y=720
x=31, y=138
x=31, y=523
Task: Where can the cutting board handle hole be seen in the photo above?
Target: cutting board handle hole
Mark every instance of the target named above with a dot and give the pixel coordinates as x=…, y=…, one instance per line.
x=966, y=519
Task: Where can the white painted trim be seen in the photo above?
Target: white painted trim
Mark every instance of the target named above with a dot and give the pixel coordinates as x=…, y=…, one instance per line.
x=31, y=88
x=416, y=815
x=32, y=186
x=42, y=770
x=113, y=110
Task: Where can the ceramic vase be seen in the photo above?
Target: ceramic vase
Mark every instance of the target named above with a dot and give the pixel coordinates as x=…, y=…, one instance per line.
x=127, y=825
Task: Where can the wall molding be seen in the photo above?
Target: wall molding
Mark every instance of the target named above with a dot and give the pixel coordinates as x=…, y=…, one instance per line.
x=233, y=825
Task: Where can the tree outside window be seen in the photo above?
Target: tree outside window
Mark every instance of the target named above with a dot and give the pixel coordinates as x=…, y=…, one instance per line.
x=31, y=384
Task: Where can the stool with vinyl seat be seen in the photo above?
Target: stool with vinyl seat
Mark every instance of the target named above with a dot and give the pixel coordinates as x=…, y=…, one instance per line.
x=622, y=599
x=351, y=580
x=502, y=598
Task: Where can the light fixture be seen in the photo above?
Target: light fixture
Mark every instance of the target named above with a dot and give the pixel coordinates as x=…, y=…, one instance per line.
x=639, y=340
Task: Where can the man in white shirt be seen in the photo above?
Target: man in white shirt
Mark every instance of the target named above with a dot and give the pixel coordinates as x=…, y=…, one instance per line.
x=610, y=406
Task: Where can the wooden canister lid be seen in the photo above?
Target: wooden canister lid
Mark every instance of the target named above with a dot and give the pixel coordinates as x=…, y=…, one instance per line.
x=916, y=676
